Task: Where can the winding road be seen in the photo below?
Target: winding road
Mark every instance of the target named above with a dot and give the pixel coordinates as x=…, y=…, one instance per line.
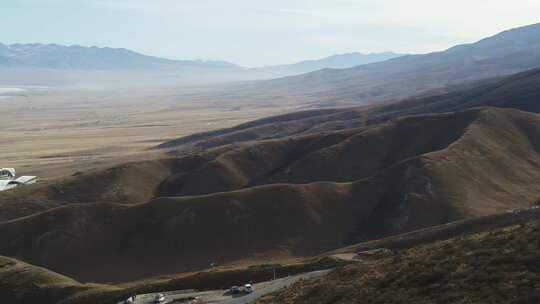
x=276, y=285
x=223, y=297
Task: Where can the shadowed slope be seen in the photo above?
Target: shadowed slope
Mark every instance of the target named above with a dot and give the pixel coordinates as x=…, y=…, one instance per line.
x=377, y=183
x=108, y=242
x=497, y=266
x=446, y=231
x=22, y=283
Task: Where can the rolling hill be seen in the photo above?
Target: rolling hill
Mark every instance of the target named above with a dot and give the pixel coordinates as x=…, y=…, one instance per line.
x=23, y=283
x=506, y=53
x=282, y=198
x=127, y=183
x=519, y=91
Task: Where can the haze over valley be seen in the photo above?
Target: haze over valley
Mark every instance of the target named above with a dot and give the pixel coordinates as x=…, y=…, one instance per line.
x=97, y=67
x=372, y=168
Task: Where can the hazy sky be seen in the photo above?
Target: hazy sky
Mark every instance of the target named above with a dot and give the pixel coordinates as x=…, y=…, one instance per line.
x=255, y=33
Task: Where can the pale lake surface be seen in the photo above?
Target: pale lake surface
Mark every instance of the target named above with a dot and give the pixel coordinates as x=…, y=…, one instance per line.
x=10, y=90
x=5, y=92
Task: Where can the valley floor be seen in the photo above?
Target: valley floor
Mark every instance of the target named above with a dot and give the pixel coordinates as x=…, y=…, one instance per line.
x=56, y=131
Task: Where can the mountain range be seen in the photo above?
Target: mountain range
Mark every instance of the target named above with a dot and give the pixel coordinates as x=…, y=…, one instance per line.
x=53, y=64
x=506, y=53
x=337, y=80
x=340, y=61
x=54, y=56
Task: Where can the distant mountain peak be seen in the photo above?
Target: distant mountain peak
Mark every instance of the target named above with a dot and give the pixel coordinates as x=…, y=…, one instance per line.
x=337, y=61
x=508, y=52
x=56, y=56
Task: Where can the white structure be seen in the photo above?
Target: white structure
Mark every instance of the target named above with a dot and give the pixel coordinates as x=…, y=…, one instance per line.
x=24, y=180
x=5, y=184
x=7, y=173
x=8, y=181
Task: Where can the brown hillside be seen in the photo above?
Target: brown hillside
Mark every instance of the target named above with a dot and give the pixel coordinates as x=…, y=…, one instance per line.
x=443, y=232
x=334, y=156
x=22, y=283
x=128, y=183
x=268, y=202
x=324, y=156
x=497, y=266
x=519, y=91
x=106, y=242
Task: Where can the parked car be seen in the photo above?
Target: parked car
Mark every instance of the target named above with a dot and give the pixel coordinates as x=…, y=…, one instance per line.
x=159, y=298
x=235, y=290
x=248, y=288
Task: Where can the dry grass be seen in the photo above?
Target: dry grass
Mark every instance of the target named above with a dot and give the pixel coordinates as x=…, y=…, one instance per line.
x=498, y=266
x=27, y=284
x=56, y=132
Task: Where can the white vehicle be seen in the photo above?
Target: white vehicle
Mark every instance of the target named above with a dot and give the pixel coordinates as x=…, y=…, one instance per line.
x=159, y=298
x=248, y=288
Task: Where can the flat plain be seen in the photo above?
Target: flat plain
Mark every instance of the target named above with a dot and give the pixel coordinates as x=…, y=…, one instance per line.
x=51, y=132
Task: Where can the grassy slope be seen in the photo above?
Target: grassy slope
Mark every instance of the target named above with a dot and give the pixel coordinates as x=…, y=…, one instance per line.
x=443, y=232
x=370, y=183
x=343, y=156
x=235, y=167
x=127, y=183
x=497, y=266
